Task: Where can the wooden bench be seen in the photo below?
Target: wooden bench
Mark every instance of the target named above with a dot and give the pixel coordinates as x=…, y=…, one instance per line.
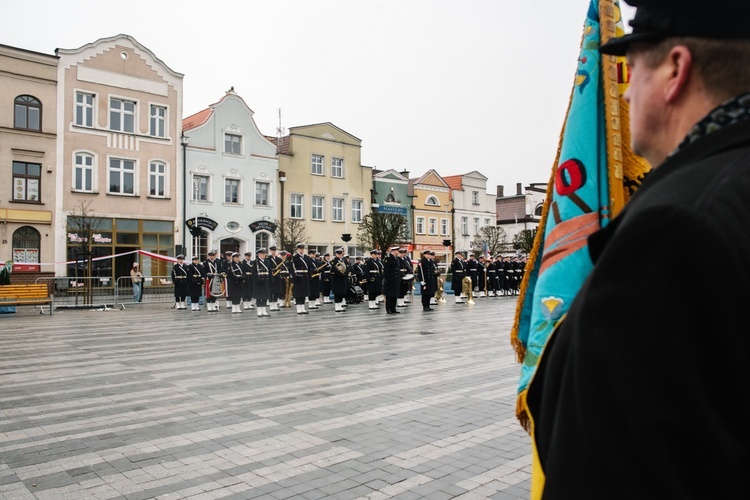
x=35, y=294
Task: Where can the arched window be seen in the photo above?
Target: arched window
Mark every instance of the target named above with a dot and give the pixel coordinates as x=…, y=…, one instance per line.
x=432, y=201
x=26, y=241
x=28, y=113
x=538, y=209
x=261, y=240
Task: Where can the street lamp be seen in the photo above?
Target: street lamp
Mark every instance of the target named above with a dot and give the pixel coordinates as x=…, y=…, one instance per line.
x=184, y=142
x=282, y=181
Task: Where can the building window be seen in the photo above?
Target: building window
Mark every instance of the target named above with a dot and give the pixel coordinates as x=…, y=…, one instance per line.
x=200, y=188
x=475, y=197
x=122, y=115
x=83, y=172
x=432, y=201
x=433, y=225
x=121, y=176
x=26, y=243
x=465, y=226
x=157, y=179
x=356, y=210
x=317, y=165
x=337, y=167
x=444, y=227
x=84, y=114
x=476, y=225
x=28, y=113
x=337, y=214
x=231, y=190
x=486, y=222
x=295, y=205
x=420, y=225
x=261, y=193
x=158, y=121
x=261, y=240
x=232, y=144
x=27, y=179
x=317, y=208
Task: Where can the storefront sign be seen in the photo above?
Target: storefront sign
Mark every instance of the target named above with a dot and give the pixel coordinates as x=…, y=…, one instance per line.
x=202, y=222
x=385, y=209
x=263, y=225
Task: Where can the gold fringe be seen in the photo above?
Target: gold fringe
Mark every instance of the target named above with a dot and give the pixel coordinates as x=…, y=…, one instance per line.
x=522, y=411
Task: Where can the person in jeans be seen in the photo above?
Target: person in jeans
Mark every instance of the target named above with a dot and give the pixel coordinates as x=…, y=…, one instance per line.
x=136, y=277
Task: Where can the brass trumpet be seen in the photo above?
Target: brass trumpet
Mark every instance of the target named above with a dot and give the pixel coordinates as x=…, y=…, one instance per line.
x=317, y=270
x=277, y=269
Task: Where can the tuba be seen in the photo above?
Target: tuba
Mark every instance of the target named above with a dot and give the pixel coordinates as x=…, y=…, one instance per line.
x=439, y=292
x=467, y=290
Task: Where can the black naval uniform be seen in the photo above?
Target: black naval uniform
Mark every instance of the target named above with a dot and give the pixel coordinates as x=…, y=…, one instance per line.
x=179, y=278
x=391, y=282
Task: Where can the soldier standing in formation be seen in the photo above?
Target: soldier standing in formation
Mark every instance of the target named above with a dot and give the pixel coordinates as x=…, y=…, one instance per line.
x=427, y=276
x=235, y=283
x=211, y=272
x=247, y=287
x=179, y=278
x=300, y=272
x=458, y=269
x=406, y=268
x=314, y=297
x=325, y=277
x=277, y=288
x=195, y=283
x=262, y=268
x=392, y=276
x=374, y=279
x=339, y=279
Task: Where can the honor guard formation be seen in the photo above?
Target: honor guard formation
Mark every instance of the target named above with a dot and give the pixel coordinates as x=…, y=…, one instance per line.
x=273, y=280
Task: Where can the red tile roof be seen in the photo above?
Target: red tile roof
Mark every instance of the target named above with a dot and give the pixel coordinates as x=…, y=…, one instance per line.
x=197, y=119
x=454, y=182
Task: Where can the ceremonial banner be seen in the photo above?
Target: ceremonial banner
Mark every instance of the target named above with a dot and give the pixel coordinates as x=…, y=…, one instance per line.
x=592, y=177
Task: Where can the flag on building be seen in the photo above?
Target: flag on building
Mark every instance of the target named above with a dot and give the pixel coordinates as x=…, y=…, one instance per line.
x=592, y=178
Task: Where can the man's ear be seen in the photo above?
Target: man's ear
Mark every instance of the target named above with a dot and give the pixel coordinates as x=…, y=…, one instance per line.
x=679, y=63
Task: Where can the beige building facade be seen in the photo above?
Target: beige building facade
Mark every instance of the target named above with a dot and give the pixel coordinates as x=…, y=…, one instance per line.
x=28, y=119
x=119, y=121
x=431, y=226
x=326, y=186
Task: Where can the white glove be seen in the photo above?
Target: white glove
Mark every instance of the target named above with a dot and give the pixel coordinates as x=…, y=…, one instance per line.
x=422, y=283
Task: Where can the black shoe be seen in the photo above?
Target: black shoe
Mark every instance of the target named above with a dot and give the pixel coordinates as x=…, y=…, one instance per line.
x=428, y=309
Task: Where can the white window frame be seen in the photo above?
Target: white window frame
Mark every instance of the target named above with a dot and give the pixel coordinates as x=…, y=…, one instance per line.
x=337, y=209
x=317, y=204
x=317, y=165
x=121, y=171
x=296, y=201
x=419, y=226
x=87, y=110
x=444, y=227
x=157, y=122
x=260, y=199
x=337, y=167
x=432, y=201
x=475, y=197
x=84, y=168
x=194, y=195
x=357, y=211
x=122, y=112
x=155, y=177
x=432, y=225
x=487, y=222
x=227, y=182
x=229, y=143
x=476, y=225
x=464, y=226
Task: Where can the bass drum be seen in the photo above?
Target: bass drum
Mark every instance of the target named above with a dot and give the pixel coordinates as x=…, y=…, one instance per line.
x=354, y=295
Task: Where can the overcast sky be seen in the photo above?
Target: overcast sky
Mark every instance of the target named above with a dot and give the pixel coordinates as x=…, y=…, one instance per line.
x=457, y=85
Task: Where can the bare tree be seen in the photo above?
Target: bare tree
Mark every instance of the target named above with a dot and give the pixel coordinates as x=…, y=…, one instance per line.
x=381, y=231
x=495, y=237
x=290, y=232
x=81, y=225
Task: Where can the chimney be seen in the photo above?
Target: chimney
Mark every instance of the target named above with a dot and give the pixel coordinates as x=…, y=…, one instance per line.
x=500, y=190
x=405, y=173
x=519, y=190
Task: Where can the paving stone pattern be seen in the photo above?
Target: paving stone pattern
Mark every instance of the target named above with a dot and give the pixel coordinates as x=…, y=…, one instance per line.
x=153, y=402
